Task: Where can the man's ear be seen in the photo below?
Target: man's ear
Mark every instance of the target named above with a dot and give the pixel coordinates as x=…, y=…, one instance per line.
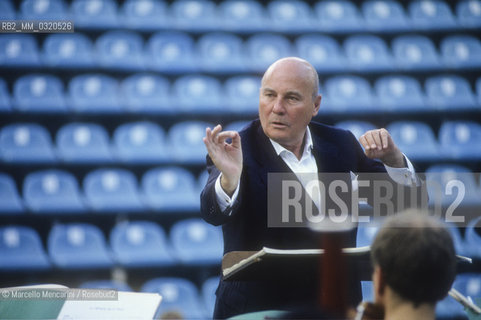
x=379, y=284
x=317, y=104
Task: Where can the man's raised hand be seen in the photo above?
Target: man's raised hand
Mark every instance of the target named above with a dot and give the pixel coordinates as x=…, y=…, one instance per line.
x=227, y=157
x=378, y=144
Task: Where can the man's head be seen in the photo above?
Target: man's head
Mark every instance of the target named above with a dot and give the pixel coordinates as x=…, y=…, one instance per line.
x=288, y=100
x=413, y=255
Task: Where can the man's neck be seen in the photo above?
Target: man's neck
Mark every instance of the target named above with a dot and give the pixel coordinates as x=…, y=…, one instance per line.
x=400, y=310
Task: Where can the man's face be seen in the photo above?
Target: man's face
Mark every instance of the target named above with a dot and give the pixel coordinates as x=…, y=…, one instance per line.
x=286, y=103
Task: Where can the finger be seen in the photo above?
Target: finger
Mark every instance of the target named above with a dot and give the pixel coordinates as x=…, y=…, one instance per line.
x=385, y=137
x=370, y=140
x=364, y=142
x=216, y=130
x=208, y=134
x=236, y=140
x=376, y=135
x=224, y=135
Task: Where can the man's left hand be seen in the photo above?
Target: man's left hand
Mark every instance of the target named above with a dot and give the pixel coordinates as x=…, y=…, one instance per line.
x=378, y=144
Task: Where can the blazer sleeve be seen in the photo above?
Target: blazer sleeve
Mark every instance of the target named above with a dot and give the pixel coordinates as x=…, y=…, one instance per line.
x=209, y=208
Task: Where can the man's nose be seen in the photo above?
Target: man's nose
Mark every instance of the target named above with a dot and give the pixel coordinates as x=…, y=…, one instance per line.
x=278, y=107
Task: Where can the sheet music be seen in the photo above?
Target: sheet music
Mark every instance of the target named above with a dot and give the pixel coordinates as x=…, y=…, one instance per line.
x=130, y=305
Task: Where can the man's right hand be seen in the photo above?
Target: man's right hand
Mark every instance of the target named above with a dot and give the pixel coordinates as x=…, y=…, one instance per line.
x=227, y=157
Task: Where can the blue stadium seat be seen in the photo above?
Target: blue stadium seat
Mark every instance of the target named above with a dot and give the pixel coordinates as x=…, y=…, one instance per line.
x=105, y=284
x=415, y=52
x=170, y=189
x=443, y=179
x=76, y=246
x=242, y=16
x=120, y=50
x=472, y=238
x=26, y=143
x=83, y=142
x=198, y=94
x=10, y=201
x=448, y=308
x=365, y=235
x=415, y=139
x=468, y=13
x=400, y=93
x=140, y=142
x=450, y=92
x=459, y=245
x=478, y=90
x=431, y=15
x=39, y=93
x=21, y=250
x=469, y=284
x=178, y=295
x=140, y=244
x=323, y=52
x=201, y=181
x=171, y=52
x=185, y=139
x=221, y=53
x=461, y=52
x=263, y=49
x=112, y=190
x=358, y=128
x=461, y=140
x=367, y=289
x=19, y=50
x=208, y=294
x=196, y=242
x=7, y=11
x=349, y=93
x=290, y=16
x=338, y=16
x=68, y=51
x=147, y=94
x=43, y=10
x=95, y=14
x=5, y=103
x=367, y=53
x=384, y=16
x=194, y=15
x=237, y=125
x=242, y=94
x=94, y=93
x=52, y=191
x=146, y=15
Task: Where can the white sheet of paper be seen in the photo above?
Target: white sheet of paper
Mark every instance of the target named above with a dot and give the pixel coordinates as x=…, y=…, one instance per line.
x=130, y=305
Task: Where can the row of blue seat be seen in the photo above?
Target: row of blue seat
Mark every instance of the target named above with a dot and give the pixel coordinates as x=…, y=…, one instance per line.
x=76, y=246
x=251, y=16
x=168, y=189
x=105, y=190
x=199, y=94
x=143, y=243
x=176, y=52
x=147, y=143
x=468, y=245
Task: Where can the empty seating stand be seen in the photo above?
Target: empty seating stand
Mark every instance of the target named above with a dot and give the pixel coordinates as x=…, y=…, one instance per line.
x=101, y=152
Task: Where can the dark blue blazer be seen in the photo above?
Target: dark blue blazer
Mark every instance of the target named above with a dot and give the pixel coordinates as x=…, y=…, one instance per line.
x=244, y=225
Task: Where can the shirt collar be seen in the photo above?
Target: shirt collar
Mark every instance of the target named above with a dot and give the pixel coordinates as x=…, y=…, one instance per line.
x=307, y=146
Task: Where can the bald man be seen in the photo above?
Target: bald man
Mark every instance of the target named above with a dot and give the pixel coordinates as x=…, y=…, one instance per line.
x=283, y=139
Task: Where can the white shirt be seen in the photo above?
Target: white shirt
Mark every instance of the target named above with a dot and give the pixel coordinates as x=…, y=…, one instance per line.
x=307, y=165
